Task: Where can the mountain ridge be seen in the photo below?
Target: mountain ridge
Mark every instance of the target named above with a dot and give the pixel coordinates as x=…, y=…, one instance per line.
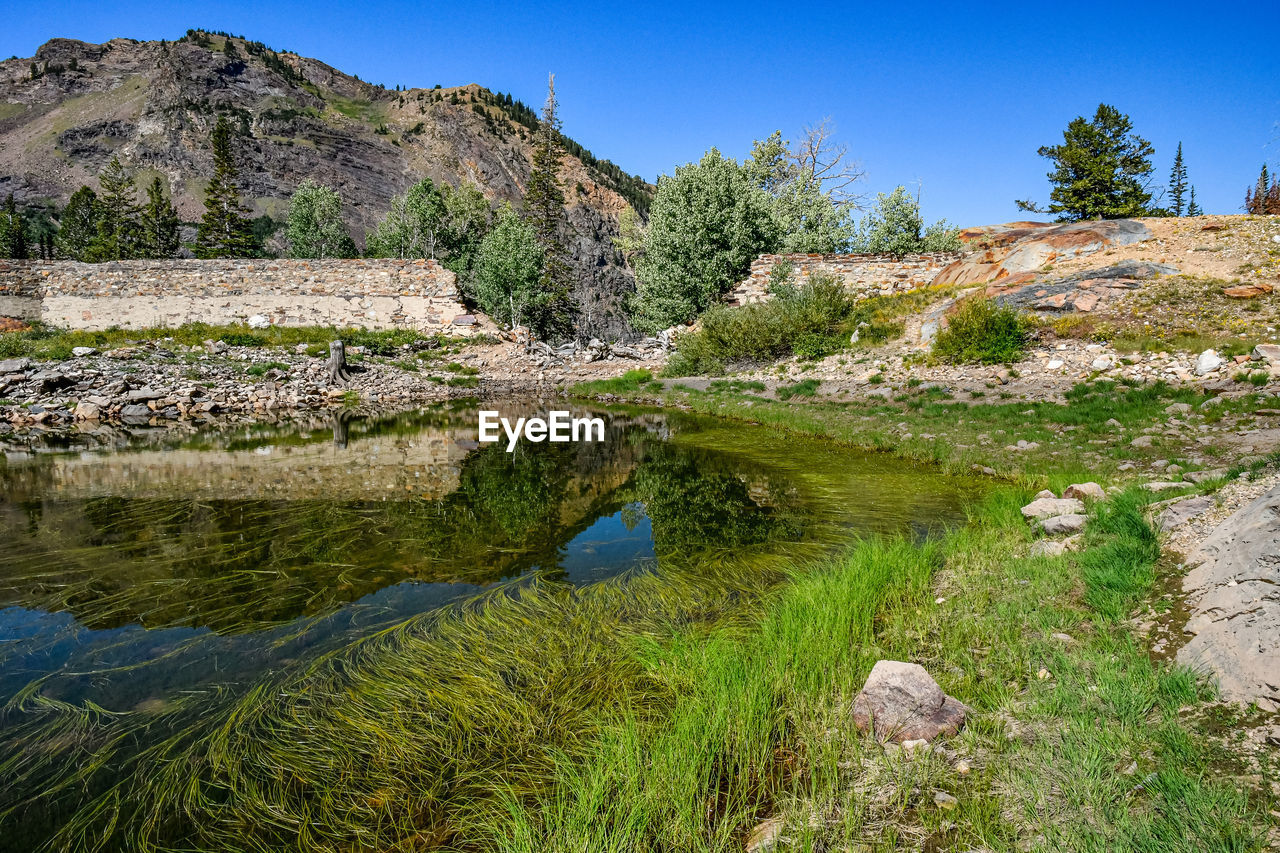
x=66, y=111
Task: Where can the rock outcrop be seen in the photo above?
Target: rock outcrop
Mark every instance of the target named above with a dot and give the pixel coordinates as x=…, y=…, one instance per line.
x=1023, y=247
x=1234, y=593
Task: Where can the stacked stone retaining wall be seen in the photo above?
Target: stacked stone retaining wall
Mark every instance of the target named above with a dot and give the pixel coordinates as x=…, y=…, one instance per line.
x=864, y=275
x=371, y=294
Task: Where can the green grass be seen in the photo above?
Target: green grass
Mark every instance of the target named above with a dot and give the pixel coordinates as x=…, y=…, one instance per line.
x=803, y=388
x=631, y=382
x=261, y=368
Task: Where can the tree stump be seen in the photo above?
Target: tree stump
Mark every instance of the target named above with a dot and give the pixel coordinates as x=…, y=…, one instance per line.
x=338, y=373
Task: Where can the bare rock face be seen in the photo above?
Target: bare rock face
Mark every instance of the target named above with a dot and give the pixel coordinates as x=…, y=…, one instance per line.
x=902, y=702
x=1021, y=247
x=1234, y=592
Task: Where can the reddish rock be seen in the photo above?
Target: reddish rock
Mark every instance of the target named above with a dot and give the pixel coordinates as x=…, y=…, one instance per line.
x=1085, y=301
x=1247, y=291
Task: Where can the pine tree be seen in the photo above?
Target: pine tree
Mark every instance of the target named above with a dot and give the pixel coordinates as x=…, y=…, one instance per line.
x=1194, y=209
x=13, y=232
x=225, y=231
x=1178, y=182
x=159, y=224
x=544, y=208
x=78, y=225
x=118, y=231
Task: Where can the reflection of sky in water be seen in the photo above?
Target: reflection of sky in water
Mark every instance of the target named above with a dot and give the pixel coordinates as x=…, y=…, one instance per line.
x=34, y=643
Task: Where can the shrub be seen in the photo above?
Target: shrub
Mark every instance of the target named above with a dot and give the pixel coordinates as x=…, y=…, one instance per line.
x=806, y=320
x=981, y=332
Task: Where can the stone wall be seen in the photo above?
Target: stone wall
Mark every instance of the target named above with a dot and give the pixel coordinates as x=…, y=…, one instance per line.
x=371, y=294
x=864, y=275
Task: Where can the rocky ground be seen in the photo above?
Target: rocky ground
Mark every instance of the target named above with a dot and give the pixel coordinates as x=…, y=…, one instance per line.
x=157, y=383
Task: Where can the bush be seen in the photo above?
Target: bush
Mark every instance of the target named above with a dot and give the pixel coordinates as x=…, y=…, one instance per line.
x=981, y=332
x=807, y=320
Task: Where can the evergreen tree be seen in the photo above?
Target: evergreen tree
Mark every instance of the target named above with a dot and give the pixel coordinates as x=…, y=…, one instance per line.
x=1101, y=169
x=1178, y=183
x=225, y=230
x=1194, y=209
x=13, y=232
x=315, y=228
x=544, y=207
x=1263, y=198
x=118, y=230
x=159, y=224
x=78, y=226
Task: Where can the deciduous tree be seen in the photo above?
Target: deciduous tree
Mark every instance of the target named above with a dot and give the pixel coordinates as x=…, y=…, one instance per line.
x=315, y=228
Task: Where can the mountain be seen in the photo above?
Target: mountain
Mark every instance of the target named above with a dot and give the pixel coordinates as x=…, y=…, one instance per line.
x=65, y=112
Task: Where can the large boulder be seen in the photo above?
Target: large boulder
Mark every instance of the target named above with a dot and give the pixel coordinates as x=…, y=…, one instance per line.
x=902, y=702
x=1234, y=593
x=1042, y=508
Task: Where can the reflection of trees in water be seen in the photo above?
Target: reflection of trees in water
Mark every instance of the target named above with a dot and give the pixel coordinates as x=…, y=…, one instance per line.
x=694, y=502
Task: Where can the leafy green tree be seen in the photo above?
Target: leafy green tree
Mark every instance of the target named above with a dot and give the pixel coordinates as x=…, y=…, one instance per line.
x=895, y=227
x=508, y=273
x=632, y=233
x=708, y=222
x=225, y=230
x=1178, y=184
x=119, y=235
x=78, y=225
x=807, y=185
x=315, y=228
x=1101, y=170
x=158, y=224
x=429, y=222
x=13, y=232
x=544, y=207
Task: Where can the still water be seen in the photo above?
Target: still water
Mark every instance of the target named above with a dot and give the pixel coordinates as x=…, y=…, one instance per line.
x=139, y=570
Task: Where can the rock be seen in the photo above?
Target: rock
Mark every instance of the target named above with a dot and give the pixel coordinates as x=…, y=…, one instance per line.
x=136, y=412
x=14, y=365
x=1082, y=491
x=1047, y=548
x=1141, y=441
x=1247, y=291
x=900, y=701
x=943, y=800
x=1205, y=475
x=1178, y=514
x=1070, y=523
x=142, y=395
x=1235, y=608
x=81, y=352
x=86, y=411
x=1102, y=362
x=765, y=836
x=1266, y=352
x=1178, y=409
x=52, y=380
x=216, y=347
x=1048, y=507
x=1207, y=362
x=258, y=321
x=464, y=320
x=1054, y=364
x=1045, y=493
x=1165, y=486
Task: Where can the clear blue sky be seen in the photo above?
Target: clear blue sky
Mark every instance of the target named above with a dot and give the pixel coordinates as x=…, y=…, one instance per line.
x=952, y=97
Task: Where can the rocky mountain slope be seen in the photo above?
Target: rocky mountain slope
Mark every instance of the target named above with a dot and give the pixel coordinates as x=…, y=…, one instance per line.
x=65, y=112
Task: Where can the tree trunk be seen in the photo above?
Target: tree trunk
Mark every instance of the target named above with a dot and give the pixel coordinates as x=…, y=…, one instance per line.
x=338, y=373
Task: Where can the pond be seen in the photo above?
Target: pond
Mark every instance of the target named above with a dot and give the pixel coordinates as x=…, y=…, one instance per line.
x=144, y=574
